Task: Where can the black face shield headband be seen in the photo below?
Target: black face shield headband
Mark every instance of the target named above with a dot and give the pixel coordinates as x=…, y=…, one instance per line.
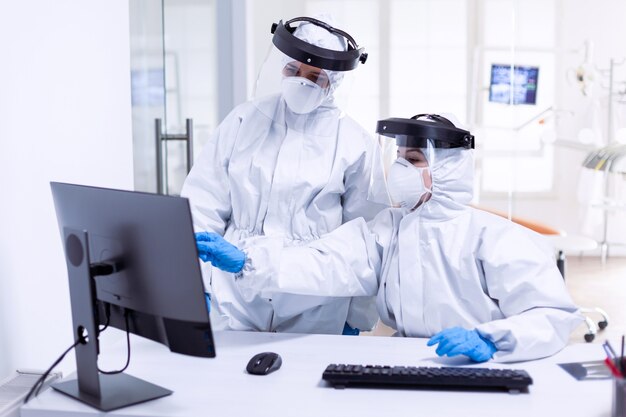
x=313, y=55
x=415, y=133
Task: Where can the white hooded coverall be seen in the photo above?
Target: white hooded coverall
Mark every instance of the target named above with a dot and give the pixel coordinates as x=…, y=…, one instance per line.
x=445, y=264
x=269, y=171
x=293, y=177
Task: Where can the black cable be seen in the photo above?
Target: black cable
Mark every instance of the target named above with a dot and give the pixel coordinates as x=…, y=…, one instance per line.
x=127, y=347
x=42, y=378
x=107, y=309
x=81, y=340
x=106, y=325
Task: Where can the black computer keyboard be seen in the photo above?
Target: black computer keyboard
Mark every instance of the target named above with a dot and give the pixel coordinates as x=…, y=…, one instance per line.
x=342, y=376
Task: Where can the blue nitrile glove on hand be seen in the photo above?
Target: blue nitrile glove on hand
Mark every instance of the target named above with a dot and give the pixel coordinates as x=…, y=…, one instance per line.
x=222, y=254
x=458, y=341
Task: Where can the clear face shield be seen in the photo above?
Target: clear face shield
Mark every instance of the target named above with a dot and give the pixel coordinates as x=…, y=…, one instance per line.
x=308, y=67
x=417, y=142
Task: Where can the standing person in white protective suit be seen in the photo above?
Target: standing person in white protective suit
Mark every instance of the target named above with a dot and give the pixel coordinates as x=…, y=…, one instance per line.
x=292, y=165
x=479, y=284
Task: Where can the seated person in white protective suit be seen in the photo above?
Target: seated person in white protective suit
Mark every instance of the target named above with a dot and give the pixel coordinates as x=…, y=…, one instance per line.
x=292, y=165
x=477, y=284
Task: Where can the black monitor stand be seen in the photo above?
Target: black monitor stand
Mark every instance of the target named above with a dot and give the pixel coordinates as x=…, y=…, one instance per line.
x=104, y=392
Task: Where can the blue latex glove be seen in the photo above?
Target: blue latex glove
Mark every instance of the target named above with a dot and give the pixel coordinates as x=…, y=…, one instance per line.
x=458, y=341
x=222, y=254
x=349, y=331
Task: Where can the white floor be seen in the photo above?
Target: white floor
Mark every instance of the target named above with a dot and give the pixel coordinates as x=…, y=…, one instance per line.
x=591, y=284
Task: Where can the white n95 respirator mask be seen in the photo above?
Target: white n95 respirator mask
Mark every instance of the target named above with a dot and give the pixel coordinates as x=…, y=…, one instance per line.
x=405, y=183
x=302, y=95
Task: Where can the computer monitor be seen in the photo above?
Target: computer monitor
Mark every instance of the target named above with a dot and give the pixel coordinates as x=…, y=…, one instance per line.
x=132, y=264
x=524, y=84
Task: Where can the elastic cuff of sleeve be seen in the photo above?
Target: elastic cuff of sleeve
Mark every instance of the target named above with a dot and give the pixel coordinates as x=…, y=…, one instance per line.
x=487, y=339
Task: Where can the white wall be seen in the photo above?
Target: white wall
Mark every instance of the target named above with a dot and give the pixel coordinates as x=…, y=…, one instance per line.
x=64, y=116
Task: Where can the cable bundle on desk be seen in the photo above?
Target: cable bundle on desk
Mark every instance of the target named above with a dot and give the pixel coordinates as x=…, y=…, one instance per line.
x=82, y=340
x=37, y=386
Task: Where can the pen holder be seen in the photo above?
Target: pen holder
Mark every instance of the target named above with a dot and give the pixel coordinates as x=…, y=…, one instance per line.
x=619, y=397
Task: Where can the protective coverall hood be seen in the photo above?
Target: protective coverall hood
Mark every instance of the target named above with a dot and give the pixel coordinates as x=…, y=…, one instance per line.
x=318, y=36
x=452, y=174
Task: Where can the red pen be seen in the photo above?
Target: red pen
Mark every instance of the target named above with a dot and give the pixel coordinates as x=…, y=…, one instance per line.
x=609, y=363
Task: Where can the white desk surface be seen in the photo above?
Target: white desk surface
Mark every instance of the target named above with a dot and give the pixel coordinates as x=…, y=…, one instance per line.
x=221, y=387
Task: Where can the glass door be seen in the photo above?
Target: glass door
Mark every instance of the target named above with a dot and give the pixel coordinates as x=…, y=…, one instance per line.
x=174, y=88
x=147, y=87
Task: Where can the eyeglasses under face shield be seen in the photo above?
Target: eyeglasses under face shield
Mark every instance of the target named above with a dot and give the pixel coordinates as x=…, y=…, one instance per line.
x=314, y=74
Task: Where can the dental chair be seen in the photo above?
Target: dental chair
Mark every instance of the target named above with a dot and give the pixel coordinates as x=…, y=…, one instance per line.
x=564, y=243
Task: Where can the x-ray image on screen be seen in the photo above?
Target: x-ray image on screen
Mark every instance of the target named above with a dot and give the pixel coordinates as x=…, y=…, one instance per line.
x=524, y=84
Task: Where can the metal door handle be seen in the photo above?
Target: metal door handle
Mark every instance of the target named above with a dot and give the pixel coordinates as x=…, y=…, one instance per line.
x=163, y=137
